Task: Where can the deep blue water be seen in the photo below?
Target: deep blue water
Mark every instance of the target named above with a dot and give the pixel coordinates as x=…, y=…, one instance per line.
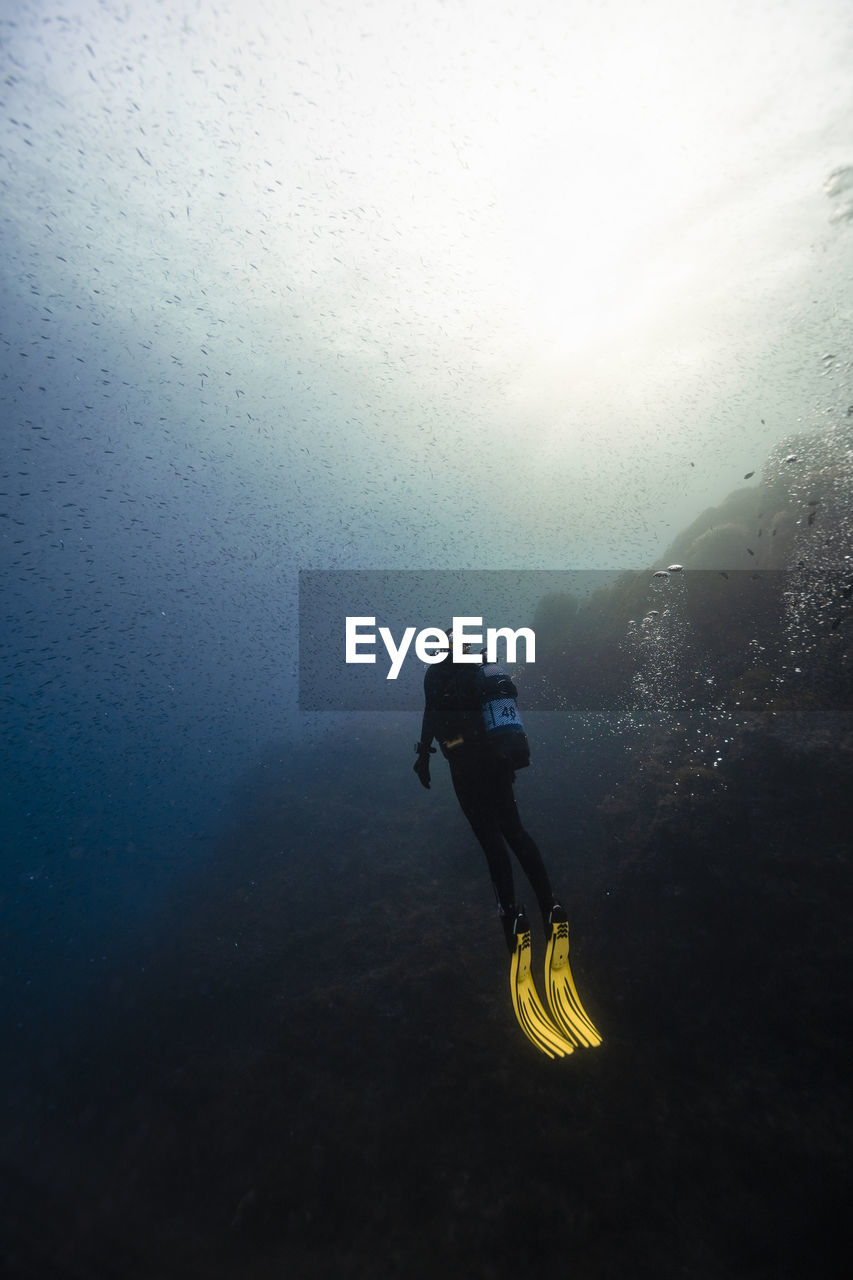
x=254, y=1008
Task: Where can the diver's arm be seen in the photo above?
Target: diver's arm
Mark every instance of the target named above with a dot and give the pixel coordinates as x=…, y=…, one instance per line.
x=427, y=728
x=424, y=748
x=429, y=724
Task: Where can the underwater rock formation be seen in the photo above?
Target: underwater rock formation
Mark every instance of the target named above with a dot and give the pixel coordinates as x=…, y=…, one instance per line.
x=763, y=584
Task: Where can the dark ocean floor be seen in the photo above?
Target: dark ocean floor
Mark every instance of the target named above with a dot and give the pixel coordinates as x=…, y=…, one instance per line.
x=318, y=1073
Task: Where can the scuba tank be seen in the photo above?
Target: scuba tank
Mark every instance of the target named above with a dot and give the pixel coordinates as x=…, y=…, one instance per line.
x=504, y=731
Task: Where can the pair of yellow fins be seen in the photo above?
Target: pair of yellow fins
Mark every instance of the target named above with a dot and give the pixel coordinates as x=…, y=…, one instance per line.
x=568, y=1025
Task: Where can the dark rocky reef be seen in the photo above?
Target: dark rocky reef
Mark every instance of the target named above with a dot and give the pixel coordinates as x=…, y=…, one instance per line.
x=319, y=1071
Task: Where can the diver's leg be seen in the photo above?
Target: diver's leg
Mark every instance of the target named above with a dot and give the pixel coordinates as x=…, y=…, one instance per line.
x=475, y=803
x=522, y=843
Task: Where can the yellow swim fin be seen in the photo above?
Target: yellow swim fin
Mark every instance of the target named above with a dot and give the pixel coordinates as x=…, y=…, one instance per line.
x=529, y=1010
x=563, y=999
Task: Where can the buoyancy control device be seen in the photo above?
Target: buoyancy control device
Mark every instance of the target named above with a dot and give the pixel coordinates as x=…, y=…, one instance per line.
x=504, y=730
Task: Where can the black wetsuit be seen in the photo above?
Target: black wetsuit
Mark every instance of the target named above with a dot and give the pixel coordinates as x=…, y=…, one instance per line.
x=483, y=784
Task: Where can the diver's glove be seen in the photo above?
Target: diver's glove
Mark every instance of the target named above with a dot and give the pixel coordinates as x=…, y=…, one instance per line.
x=421, y=765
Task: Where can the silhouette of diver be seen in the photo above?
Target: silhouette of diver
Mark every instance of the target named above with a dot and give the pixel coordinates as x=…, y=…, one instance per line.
x=483, y=783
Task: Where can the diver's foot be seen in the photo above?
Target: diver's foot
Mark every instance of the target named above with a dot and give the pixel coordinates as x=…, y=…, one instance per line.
x=508, y=915
x=557, y=915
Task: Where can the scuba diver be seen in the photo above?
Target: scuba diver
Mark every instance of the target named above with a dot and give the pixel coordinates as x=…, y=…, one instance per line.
x=471, y=710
